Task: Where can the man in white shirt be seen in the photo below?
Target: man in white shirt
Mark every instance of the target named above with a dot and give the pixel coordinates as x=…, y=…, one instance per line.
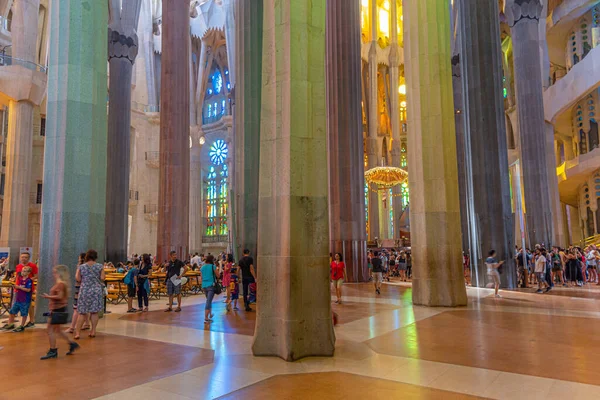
x=592, y=263
x=196, y=261
x=540, y=269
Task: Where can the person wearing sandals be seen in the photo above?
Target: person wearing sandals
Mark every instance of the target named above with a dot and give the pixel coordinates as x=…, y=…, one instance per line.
x=209, y=277
x=86, y=324
x=91, y=293
x=174, y=268
x=59, y=295
x=142, y=283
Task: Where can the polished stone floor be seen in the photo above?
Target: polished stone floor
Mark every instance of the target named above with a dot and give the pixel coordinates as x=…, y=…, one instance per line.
x=521, y=346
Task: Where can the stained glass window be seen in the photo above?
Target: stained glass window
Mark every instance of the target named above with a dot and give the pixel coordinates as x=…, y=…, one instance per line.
x=403, y=156
x=218, y=152
x=367, y=206
x=217, y=190
x=405, y=194
x=211, y=202
x=222, y=106
x=223, y=205
x=391, y=200
x=217, y=82
x=215, y=109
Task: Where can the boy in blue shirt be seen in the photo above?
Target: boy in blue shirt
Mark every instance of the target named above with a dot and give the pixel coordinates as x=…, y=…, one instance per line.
x=22, y=289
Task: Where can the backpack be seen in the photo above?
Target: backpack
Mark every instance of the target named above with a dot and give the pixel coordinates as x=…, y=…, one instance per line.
x=128, y=280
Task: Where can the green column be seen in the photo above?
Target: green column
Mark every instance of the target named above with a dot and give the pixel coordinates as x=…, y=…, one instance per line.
x=73, y=210
x=248, y=86
x=294, y=313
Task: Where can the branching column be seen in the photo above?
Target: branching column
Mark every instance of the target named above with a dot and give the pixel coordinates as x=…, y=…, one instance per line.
x=523, y=19
x=395, y=58
x=372, y=147
x=122, y=51
x=174, y=181
x=294, y=317
x=486, y=153
x=433, y=178
x=344, y=126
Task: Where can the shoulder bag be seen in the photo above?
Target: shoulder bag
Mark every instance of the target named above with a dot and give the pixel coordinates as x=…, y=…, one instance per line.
x=217, y=285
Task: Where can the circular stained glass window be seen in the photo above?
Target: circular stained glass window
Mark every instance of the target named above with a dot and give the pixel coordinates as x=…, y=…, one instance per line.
x=218, y=152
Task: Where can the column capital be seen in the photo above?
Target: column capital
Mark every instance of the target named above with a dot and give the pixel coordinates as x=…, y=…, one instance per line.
x=394, y=56
x=122, y=46
x=517, y=10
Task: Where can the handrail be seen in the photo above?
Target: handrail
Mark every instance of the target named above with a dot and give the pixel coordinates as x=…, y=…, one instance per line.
x=8, y=60
x=4, y=23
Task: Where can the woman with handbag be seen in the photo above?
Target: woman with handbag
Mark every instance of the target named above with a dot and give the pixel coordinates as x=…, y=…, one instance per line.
x=210, y=285
x=59, y=295
x=91, y=293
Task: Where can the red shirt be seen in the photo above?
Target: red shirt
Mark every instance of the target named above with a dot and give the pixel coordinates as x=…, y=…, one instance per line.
x=337, y=270
x=33, y=274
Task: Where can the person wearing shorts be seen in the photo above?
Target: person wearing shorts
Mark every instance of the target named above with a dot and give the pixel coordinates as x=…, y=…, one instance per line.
x=377, y=271
x=492, y=270
x=540, y=269
x=174, y=268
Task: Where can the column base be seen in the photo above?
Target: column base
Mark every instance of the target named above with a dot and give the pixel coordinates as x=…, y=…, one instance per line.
x=294, y=318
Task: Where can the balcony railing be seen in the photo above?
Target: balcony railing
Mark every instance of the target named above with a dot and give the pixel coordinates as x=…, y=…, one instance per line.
x=215, y=239
x=7, y=60
x=144, y=107
x=4, y=23
x=152, y=158
x=35, y=198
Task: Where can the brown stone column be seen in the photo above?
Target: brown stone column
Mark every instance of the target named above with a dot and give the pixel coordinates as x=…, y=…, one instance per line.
x=344, y=128
x=174, y=183
x=294, y=313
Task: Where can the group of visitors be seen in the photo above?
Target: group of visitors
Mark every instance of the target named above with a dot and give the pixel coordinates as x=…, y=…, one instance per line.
x=383, y=264
x=573, y=266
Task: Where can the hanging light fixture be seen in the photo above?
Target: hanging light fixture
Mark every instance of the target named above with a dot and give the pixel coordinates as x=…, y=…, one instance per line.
x=386, y=177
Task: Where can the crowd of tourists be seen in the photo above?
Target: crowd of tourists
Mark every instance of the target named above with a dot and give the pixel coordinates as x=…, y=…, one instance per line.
x=383, y=264
x=89, y=291
x=543, y=268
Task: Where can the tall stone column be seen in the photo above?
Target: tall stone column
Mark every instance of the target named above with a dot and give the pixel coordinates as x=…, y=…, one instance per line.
x=74, y=207
x=486, y=152
x=395, y=58
x=19, y=144
x=523, y=18
x=433, y=177
x=344, y=125
x=459, y=123
x=247, y=114
x=174, y=181
x=294, y=317
x=122, y=51
x=196, y=195
x=372, y=147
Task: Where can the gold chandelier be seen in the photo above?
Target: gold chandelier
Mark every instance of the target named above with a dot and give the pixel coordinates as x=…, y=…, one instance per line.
x=386, y=177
